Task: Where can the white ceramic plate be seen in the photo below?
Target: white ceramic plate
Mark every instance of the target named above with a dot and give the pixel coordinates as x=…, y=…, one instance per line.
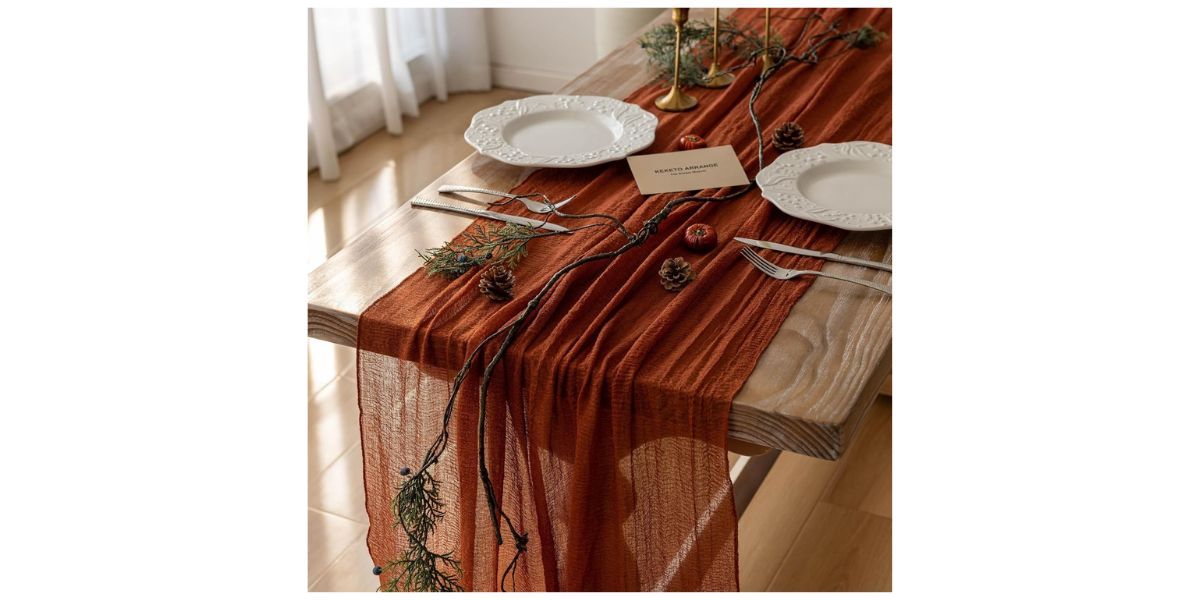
x=845, y=185
x=561, y=131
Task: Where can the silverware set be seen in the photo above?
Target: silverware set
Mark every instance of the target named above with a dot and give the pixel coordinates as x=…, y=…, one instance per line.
x=778, y=272
x=479, y=212
x=861, y=262
x=545, y=206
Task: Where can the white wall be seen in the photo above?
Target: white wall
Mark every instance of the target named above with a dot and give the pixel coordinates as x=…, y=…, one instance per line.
x=615, y=26
x=541, y=49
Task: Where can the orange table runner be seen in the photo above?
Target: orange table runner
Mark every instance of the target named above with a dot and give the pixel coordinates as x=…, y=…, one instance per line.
x=608, y=415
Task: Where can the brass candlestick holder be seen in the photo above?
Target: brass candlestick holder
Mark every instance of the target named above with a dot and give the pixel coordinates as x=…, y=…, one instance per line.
x=716, y=78
x=766, y=57
x=675, y=100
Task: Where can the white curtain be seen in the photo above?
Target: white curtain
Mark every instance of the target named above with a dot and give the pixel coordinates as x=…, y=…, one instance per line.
x=369, y=66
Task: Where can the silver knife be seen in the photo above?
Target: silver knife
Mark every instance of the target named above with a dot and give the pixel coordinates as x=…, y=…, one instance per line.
x=487, y=214
x=813, y=253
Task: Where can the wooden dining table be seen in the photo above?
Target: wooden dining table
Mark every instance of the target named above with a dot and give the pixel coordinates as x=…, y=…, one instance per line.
x=810, y=388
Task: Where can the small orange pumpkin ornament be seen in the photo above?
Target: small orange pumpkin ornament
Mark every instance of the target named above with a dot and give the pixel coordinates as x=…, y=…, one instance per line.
x=699, y=237
x=692, y=141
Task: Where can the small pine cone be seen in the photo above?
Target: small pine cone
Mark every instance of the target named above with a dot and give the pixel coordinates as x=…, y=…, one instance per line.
x=676, y=273
x=496, y=282
x=788, y=136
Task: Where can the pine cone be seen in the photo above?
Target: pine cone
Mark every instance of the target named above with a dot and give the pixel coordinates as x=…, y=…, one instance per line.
x=788, y=136
x=676, y=273
x=496, y=282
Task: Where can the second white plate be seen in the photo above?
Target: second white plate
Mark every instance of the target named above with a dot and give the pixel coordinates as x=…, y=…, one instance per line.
x=847, y=185
x=561, y=131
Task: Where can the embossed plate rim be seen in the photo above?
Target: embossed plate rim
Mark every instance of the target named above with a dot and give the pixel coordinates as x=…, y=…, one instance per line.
x=484, y=133
x=777, y=182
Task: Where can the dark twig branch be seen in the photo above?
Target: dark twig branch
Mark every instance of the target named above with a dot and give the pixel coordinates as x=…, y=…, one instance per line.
x=417, y=505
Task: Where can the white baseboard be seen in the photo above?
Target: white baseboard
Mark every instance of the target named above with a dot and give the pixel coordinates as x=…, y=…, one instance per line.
x=529, y=80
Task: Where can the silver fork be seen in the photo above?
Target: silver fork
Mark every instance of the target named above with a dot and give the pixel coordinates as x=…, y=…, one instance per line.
x=541, y=207
x=779, y=272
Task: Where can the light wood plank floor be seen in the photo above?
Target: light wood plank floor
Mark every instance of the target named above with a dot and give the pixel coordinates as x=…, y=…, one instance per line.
x=384, y=170
x=814, y=525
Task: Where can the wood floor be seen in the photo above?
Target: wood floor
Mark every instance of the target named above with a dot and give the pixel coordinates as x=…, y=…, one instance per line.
x=384, y=170
x=814, y=525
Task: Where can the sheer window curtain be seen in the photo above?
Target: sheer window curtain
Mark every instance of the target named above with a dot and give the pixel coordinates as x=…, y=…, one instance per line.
x=369, y=66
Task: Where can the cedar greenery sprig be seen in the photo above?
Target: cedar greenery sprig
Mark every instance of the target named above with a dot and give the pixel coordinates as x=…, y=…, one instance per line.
x=696, y=47
x=810, y=45
x=493, y=244
x=418, y=509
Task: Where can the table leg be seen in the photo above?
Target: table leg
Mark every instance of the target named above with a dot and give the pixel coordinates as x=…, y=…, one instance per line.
x=747, y=475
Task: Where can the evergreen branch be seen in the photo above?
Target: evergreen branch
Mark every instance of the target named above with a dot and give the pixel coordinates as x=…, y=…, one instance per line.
x=418, y=509
x=659, y=44
x=494, y=244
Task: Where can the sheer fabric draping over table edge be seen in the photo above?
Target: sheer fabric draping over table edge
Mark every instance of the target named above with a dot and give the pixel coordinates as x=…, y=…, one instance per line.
x=608, y=417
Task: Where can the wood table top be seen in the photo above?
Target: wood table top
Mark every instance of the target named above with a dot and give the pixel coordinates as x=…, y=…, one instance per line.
x=809, y=389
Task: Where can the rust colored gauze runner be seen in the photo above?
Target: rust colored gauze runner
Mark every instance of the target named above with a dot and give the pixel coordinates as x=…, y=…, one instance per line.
x=607, y=417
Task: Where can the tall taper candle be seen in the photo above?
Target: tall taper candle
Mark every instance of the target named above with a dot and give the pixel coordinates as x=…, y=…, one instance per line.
x=715, y=78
